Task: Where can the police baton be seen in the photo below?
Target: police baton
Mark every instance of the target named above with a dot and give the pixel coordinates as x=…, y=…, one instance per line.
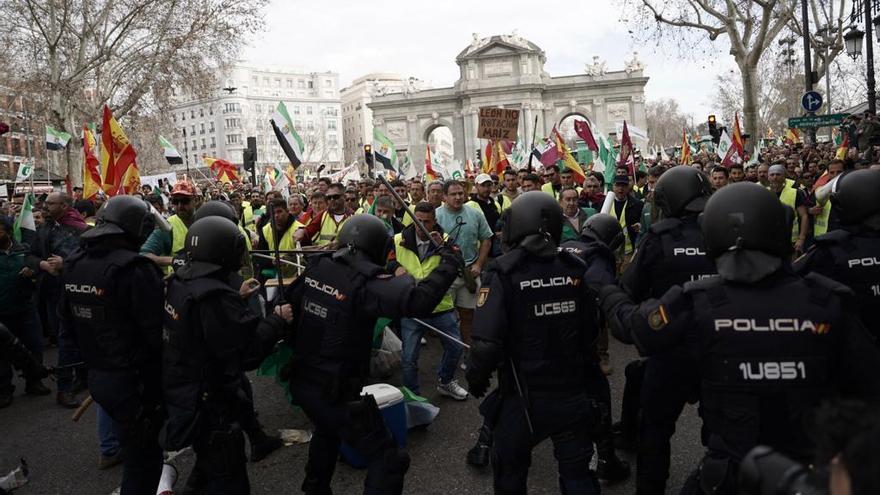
x=465, y=273
x=277, y=258
x=441, y=333
x=522, y=397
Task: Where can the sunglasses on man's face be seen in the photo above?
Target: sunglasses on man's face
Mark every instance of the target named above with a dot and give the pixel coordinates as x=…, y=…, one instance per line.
x=331, y=197
x=181, y=201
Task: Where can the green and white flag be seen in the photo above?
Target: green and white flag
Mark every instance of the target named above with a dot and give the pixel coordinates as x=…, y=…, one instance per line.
x=723, y=145
x=171, y=153
x=407, y=168
x=454, y=170
x=25, y=170
x=25, y=218
x=56, y=140
x=384, y=151
x=287, y=136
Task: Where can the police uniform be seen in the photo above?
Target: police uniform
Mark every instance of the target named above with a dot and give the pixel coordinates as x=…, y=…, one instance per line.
x=211, y=339
x=671, y=253
x=336, y=302
x=535, y=324
x=112, y=304
x=770, y=344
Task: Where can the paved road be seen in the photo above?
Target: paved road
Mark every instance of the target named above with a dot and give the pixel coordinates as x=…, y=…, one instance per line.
x=63, y=455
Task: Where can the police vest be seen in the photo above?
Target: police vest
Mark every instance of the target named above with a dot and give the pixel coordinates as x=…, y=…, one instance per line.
x=684, y=255
x=552, y=321
x=329, y=229
x=190, y=378
x=764, y=365
x=409, y=260
x=178, y=239
x=789, y=198
x=105, y=329
x=856, y=265
x=820, y=223
x=330, y=335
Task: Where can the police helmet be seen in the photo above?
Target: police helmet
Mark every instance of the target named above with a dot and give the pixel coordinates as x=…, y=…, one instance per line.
x=366, y=234
x=212, y=244
x=746, y=216
x=857, y=196
x=534, y=212
x=603, y=228
x=680, y=190
x=128, y=216
x=215, y=208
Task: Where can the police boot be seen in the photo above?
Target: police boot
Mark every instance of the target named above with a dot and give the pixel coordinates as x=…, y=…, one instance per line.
x=611, y=469
x=262, y=445
x=584, y=486
x=478, y=455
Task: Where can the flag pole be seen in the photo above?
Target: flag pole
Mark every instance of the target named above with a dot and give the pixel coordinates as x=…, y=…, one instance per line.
x=185, y=151
x=532, y=145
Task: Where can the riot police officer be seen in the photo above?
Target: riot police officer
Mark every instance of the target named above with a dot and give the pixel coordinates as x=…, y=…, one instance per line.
x=211, y=339
x=535, y=324
x=851, y=255
x=600, y=237
x=770, y=344
x=261, y=443
x=671, y=253
x=337, y=300
x=112, y=304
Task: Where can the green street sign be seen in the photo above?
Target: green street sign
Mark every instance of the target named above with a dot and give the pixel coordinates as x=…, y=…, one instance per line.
x=813, y=121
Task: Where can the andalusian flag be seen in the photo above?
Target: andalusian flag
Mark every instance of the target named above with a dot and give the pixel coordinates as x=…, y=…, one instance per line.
x=25, y=218
x=117, y=156
x=606, y=161
x=170, y=152
x=55, y=139
x=287, y=136
x=225, y=171
x=91, y=175
x=384, y=151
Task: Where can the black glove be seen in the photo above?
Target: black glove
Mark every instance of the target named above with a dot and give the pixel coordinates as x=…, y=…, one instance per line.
x=478, y=383
x=610, y=298
x=451, y=255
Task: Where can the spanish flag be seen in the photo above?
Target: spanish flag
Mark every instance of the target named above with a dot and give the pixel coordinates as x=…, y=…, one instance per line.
x=792, y=136
x=225, y=171
x=686, y=158
x=91, y=176
x=567, y=159
x=430, y=174
x=117, y=156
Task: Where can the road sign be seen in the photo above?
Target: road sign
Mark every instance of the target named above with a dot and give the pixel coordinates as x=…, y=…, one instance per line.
x=813, y=121
x=811, y=101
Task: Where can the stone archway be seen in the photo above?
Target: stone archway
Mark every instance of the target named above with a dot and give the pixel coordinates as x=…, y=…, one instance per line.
x=439, y=137
x=565, y=126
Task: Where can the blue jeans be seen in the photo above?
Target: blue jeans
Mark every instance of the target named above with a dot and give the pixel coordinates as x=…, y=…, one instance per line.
x=412, y=335
x=107, y=440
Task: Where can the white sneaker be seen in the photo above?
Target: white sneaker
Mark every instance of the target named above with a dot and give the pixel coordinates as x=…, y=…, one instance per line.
x=452, y=389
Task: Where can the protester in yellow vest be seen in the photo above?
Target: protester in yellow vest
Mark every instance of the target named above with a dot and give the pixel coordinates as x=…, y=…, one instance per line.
x=822, y=211
x=627, y=209
x=795, y=199
x=286, y=225
x=552, y=184
x=323, y=228
x=162, y=246
x=414, y=254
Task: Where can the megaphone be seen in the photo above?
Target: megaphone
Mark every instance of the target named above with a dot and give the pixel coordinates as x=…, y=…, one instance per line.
x=167, y=481
x=823, y=194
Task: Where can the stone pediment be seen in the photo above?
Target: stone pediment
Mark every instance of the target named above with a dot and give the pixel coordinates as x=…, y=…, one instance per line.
x=496, y=49
x=495, y=46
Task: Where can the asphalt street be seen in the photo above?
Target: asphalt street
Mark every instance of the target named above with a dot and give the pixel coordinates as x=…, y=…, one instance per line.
x=63, y=455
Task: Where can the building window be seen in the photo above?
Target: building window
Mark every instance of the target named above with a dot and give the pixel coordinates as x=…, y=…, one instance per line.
x=201, y=112
x=308, y=110
x=192, y=130
x=331, y=139
x=233, y=138
x=310, y=125
x=232, y=123
x=266, y=82
x=182, y=116
x=192, y=114
x=174, y=117
x=210, y=110
x=194, y=145
x=203, y=144
x=255, y=81
x=290, y=83
x=298, y=124
x=211, y=127
x=300, y=84
x=296, y=110
x=213, y=142
x=277, y=83
x=258, y=108
x=311, y=85
x=328, y=83
x=202, y=128
x=331, y=125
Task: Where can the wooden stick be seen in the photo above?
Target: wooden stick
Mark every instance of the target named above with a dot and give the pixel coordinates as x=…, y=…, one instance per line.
x=82, y=409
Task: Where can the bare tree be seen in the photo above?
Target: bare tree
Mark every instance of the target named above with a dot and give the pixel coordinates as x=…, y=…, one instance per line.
x=78, y=55
x=666, y=122
x=749, y=26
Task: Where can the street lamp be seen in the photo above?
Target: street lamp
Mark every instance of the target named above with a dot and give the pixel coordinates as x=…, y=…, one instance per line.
x=853, y=41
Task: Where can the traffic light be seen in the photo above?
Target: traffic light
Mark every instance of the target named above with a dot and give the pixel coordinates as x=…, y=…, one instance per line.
x=368, y=154
x=713, y=130
x=249, y=154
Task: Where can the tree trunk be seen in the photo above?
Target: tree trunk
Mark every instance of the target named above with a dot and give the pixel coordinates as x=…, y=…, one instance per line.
x=749, y=74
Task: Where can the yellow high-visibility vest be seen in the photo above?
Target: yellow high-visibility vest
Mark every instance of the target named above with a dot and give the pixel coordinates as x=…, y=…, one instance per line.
x=409, y=260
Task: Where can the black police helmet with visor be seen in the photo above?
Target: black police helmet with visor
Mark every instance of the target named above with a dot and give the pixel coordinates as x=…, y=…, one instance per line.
x=213, y=244
x=603, y=228
x=747, y=230
x=856, y=196
x=534, y=221
x=215, y=208
x=367, y=235
x=126, y=216
x=681, y=190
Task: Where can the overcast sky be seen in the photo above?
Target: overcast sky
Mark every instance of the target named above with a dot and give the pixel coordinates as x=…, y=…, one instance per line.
x=420, y=38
